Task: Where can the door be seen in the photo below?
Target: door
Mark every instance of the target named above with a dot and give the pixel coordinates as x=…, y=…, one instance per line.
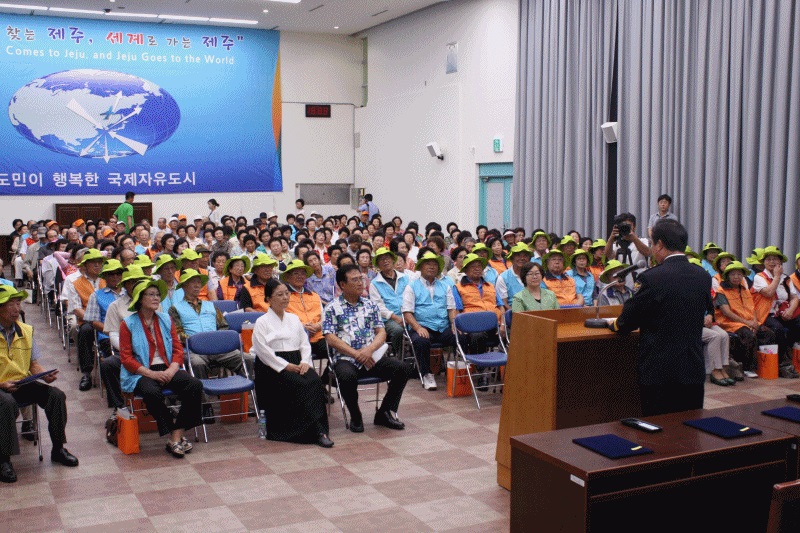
x=494, y=196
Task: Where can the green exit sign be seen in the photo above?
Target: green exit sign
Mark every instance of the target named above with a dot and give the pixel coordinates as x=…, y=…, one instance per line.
x=498, y=145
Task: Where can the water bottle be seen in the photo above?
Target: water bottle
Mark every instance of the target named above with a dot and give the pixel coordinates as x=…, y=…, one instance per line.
x=262, y=425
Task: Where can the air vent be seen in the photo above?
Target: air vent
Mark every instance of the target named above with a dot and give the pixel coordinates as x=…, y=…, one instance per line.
x=315, y=8
x=380, y=12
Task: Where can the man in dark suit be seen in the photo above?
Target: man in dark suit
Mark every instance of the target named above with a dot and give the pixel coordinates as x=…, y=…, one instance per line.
x=668, y=309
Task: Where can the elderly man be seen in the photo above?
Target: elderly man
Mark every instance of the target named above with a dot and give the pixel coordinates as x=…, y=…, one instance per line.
x=165, y=269
x=192, y=315
x=190, y=259
x=77, y=295
x=386, y=291
x=17, y=339
x=428, y=308
x=127, y=257
x=306, y=304
x=557, y=280
x=116, y=313
x=354, y=330
x=509, y=283
x=101, y=299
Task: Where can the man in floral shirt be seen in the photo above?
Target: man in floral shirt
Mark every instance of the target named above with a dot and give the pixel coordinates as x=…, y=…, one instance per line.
x=354, y=331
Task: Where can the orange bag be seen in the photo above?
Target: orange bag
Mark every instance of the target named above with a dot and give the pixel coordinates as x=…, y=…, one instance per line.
x=231, y=404
x=127, y=435
x=796, y=358
x=461, y=378
x=247, y=337
x=767, y=365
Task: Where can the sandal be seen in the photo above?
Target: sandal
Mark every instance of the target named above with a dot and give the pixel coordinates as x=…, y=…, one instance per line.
x=175, y=449
x=186, y=445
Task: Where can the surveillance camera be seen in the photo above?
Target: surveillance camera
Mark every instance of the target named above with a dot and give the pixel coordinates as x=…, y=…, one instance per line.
x=435, y=151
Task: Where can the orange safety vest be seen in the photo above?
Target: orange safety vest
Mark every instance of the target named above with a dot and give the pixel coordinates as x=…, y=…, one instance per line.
x=85, y=289
x=228, y=290
x=596, y=270
x=308, y=308
x=473, y=300
x=257, y=296
x=740, y=300
x=566, y=292
x=763, y=305
x=498, y=265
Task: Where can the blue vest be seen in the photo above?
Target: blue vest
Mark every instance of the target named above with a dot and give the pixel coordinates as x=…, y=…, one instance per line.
x=169, y=301
x=392, y=298
x=431, y=314
x=193, y=322
x=141, y=349
x=104, y=299
x=490, y=274
x=512, y=285
x=583, y=285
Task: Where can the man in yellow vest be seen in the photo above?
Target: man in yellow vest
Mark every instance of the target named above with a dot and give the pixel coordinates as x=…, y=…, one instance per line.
x=19, y=358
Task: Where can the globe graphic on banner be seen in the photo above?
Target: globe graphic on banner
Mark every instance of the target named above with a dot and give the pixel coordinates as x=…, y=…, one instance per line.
x=97, y=114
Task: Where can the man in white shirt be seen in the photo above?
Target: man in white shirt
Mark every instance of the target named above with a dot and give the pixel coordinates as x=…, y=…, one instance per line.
x=626, y=247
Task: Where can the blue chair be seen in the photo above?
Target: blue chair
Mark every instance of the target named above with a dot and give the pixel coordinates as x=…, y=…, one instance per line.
x=226, y=306
x=215, y=343
x=480, y=322
x=364, y=384
x=235, y=320
x=509, y=314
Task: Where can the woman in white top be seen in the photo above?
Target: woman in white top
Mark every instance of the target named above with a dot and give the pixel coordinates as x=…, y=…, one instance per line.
x=293, y=393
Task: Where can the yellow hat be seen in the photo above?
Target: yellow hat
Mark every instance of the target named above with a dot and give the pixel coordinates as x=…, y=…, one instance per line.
x=599, y=243
x=696, y=261
x=481, y=247
x=189, y=255
x=7, y=292
x=579, y=253
x=295, y=265
x=164, y=259
x=112, y=265
x=541, y=234
x=519, y=248
x=143, y=261
x=711, y=247
x=93, y=254
x=263, y=260
x=610, y=267
x=691, y=253
x=735, y=265
x=568, y=239
x=550, y=254
x=381, y=252
x=133, y=272
x=722, y=256
x=430, y=256
x=773, y=250
x=242, y=258
x=140, y=288
x=191, y=273
x=470, y=258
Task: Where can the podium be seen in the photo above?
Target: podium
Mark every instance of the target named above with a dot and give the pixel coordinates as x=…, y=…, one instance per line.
x=561, y=374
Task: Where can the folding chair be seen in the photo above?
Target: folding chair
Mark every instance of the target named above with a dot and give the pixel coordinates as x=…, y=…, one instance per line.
x=215, y=343
x=34, y=421
x=236, y=320
x=364, y=384
x=508, y=316
x=408, y=347
x=130, y=398
x=226, y=306
x=473, y=323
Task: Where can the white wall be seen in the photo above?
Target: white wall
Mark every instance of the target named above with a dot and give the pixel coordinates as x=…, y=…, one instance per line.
x=314, y=69
x=413, y=102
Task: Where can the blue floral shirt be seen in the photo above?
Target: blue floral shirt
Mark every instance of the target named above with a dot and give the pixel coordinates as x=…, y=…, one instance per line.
x=354, y=324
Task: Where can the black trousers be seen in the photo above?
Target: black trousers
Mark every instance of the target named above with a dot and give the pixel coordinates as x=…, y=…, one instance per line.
x=319, y=350
x=394, y=370
x=745, y=344
x=671, y=398
x=85, y=347
x=422, y=346
x=109, y=372
x=188, y=389
x=787, y=332
x=51, y=399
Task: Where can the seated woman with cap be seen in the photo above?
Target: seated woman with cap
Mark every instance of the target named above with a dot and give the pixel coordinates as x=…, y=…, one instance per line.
x=286, y=383
x=263, y=269
x=534, y=297
x=720, y=263
x=233, y=285
x=619, y=293
x=497, y=259
x=557, y=281
x=579, y=271
x=710, y=252
x=152, y=356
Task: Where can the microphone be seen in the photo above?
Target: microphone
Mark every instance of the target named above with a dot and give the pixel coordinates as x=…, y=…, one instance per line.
x=622, y=274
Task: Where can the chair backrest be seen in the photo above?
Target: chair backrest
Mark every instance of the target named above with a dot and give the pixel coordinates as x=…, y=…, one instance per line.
x=226, y=306
x=235, y=320
x=784, y=494
x=476, y=322
x=213, y=342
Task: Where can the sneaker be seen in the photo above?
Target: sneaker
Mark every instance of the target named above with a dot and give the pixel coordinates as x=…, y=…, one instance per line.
x=788, y=371
x=429, y=382
x=186, y=445
x=750, y=374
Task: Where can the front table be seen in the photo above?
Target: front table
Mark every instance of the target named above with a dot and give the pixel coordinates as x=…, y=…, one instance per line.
x=694, y=481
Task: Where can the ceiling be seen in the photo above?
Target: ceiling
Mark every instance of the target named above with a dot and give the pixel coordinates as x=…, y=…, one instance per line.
x=344, y=17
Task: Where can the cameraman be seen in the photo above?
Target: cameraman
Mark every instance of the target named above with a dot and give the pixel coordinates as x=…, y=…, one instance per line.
x=625, y=246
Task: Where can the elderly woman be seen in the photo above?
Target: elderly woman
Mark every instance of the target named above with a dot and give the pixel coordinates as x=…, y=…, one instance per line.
x=534, y=297
x=584, y=279
x=557, y=281
x=497, y=259
x=290, y=389
x=152, y=355
x=323, y=278
x=233, y=285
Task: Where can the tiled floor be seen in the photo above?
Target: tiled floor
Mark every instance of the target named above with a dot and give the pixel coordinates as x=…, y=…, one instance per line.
x=437, y=475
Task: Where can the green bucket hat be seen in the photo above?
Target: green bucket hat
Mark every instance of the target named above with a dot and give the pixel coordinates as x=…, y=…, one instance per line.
x=696, y=261
x=189, y=255
x=133, y=272
x=140, y=288
x=471, y=258
x=143, y=261
x=294, y=265
x=599, y=243
x=381, y=252
x=542, y=234
x=163, y=260
x=797, y=257
x=230, y=261
x=579, y=253
x=112, y=265
x=773, y=250
x=263, y=260
x=736, y=265
x=191, y=273
x=691, y=253
x=611, y=266
x=755, y=257
x=430, y=256
x=722, y=256
x=550, y=254
x=481, y=247
x=710, y=247
x=520, y=247
x=93, y=254
x=7, y=292
x=568, y=239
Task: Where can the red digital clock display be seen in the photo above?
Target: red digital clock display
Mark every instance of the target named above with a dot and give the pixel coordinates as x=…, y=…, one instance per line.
x=318, y=111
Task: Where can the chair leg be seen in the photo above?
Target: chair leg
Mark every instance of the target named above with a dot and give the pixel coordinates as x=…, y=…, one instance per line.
x=37, y=434
x=472, y=385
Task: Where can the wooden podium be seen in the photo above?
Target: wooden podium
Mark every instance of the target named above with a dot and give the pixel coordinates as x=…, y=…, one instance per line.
x=561, y=374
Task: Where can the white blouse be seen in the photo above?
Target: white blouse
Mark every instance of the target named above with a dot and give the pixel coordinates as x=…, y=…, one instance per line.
x=271, y=334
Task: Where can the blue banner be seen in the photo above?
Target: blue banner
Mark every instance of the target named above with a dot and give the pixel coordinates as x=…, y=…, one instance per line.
x=104, y=107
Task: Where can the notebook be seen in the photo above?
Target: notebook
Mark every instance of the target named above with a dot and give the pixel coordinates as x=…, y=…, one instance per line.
x=612, y=446
x=722, y=427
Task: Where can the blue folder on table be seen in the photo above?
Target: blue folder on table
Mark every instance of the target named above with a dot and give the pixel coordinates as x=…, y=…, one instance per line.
x=612, y=446
x=787, y=413
x=722, y=427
